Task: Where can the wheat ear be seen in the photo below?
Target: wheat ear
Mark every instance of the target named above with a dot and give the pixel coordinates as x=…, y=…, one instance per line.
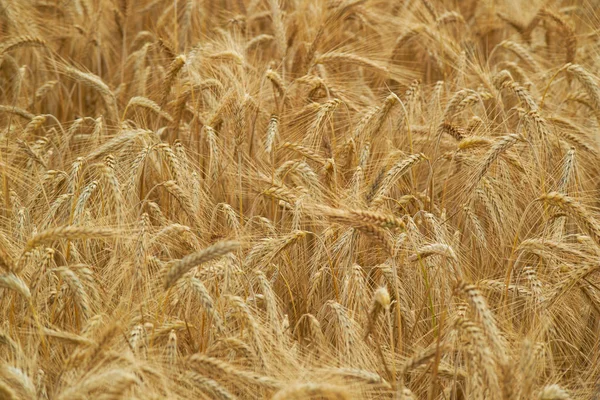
x=183, y=265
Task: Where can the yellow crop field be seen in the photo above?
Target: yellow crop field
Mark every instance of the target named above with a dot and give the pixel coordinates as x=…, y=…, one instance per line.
x=299, y=199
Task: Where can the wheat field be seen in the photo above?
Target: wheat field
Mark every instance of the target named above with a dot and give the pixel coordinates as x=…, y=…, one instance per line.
x=299, y=199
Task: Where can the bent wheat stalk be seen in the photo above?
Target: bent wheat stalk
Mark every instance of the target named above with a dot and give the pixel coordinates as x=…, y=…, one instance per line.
x=180, y=267
x=71, y=232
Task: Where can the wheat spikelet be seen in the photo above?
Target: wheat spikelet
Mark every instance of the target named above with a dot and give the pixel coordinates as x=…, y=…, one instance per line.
x=137, y=339
x=174, y=70
x=244, y=313
x=488, y=321
x=276, y=80
x=309, y=390
x=476, y=225
x=409, y=35
x=68, y=337
x=382, y=113
x=454, y=131
x=364, y=124
x=211, y=137
x=483, y=355
x=325, y=111
x=566, y=30
x=180, y=267
x=278, y=27
x=473, y=142
x=86, y=193
x=522, y=94
x=369, y=377
x=546, y=248
x=341, y=326
x=77, y=289
x=96, y=83
x=500, y=147
x=433, y=249
x=281, y=193
x=171, y=352
x=176, y=231
x=207, y=301
x=492, y=201
x=380, y=302
x=269, y=298
x=430, y=8
x=108, y=172
x=6, y=260
x=186, y=202
x=522, y=53
x=421, y=358
x=31, y=153
x=258, y=40
x=569, y=281
x=148, y=104
x=140, y=256
x=500, y=287
x=553, y=392
x=15, y=382
x=297, y=167
x=42, y=91
x=20, y=42
x=10, y=67
x=471, y=99
x=523, y=29
x=272, y=133
x=518, y=73
x=156, y=213
x=33, y=125
x=534, y=122
x=575, y=210
x=269, y=248
x=393, y=174
x=453, y=106
x=173, y=161
x=398, y=295
x=351, y=59
x=209, y=385
x=589, y=84
x=213, y=364
x=534, y=282
x=449, y=17
x=69, y=233
x=75, y=175
x=120, y=382
x=572, y=134
x=53, y=176
x=13, y=282
x=114, y=143
x=12, y=346
x=232, y=217
x=40, y=385
x=343, y=9
x=56, y=206
x=306, y=152
x=315, y=328
x=232, y=343
x=582, y=98
x=405, y=394
x=363, y=216
x=17, y=111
